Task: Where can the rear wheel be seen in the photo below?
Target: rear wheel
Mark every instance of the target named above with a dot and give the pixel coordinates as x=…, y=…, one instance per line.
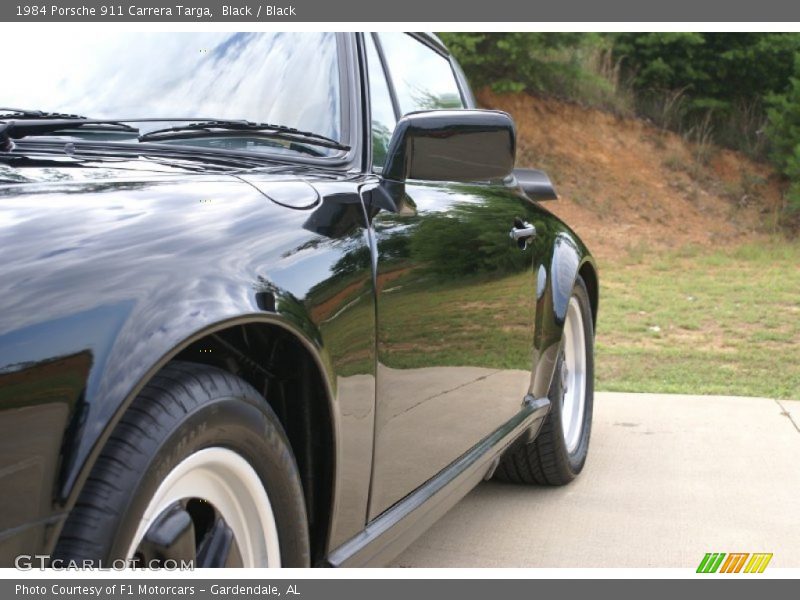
x=198, y=469
x=558, y=453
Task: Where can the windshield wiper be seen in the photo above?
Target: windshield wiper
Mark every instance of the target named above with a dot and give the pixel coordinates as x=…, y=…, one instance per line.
x=29, y=113
x=16, y=129
x=223, y=128
x=26, y=122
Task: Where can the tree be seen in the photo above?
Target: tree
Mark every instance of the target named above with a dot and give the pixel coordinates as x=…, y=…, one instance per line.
x=784, y=134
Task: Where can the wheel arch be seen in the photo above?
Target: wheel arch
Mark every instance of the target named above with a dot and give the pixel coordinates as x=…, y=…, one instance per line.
x=567, y=260
x=238, y=342
x=588, y=272
x=290, y=376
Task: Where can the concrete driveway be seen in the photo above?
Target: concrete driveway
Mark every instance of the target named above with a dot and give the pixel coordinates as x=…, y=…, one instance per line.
x=668, y=479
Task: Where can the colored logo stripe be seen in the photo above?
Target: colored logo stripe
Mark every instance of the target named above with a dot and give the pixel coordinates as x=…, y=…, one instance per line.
x=713, y=562
x=734, y=562
x=758, y=563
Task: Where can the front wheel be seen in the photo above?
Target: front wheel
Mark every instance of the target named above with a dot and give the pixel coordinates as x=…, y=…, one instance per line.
x=558, y=453
x=198, y=470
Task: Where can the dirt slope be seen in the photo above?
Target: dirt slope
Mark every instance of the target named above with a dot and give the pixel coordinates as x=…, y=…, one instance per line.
x=627, y=186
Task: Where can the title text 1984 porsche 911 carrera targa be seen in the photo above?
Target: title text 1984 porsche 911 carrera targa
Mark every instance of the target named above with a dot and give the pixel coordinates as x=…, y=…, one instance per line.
x=276, y=299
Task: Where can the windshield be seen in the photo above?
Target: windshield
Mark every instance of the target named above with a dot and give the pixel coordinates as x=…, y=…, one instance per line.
x=289, y=79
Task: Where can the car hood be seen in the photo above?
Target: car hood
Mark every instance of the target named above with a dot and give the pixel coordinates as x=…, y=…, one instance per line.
x=73, y=236
x=291, y=186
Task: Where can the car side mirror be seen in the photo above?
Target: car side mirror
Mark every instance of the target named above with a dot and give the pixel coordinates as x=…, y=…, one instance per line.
x=536, y=184
x=449, y=145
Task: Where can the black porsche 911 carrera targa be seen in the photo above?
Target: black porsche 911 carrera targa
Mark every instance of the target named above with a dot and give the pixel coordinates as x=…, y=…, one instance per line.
x=272, y=300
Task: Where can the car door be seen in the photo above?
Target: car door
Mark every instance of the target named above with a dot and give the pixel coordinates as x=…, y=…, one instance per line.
x=455, y=295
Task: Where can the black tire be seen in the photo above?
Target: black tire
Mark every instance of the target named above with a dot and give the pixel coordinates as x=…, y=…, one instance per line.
x=546, y=461
x=185, y=408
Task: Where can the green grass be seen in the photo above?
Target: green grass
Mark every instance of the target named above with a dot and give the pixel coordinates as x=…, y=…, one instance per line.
x=699, y=322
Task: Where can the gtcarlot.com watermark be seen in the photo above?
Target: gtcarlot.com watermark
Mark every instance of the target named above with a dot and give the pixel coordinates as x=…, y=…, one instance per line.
x=30, y=562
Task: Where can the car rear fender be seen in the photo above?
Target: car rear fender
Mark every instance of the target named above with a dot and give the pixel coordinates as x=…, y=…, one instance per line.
x=555, y=278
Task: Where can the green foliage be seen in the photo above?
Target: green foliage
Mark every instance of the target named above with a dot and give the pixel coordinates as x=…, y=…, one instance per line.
x=783, y=131
x=722, y=77
x=716, y=69
x=575, y=66
x=508, y=61
x=663, y=61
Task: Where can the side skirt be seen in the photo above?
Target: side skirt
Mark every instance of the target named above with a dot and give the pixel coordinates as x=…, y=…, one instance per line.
x=392, y=531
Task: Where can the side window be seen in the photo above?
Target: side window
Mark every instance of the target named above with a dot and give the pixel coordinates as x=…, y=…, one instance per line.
x=383, y=120
x=422, y=78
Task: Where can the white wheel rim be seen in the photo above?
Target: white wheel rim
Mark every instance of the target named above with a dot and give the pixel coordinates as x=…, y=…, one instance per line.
x=573, y=376
x=224, y=479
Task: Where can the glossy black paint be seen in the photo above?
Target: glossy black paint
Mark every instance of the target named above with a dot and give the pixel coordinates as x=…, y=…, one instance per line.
x=451, y=145
x=536, y=184
x=151, y=263
x=448, y=362
x=110, y=269
x=397, y=527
